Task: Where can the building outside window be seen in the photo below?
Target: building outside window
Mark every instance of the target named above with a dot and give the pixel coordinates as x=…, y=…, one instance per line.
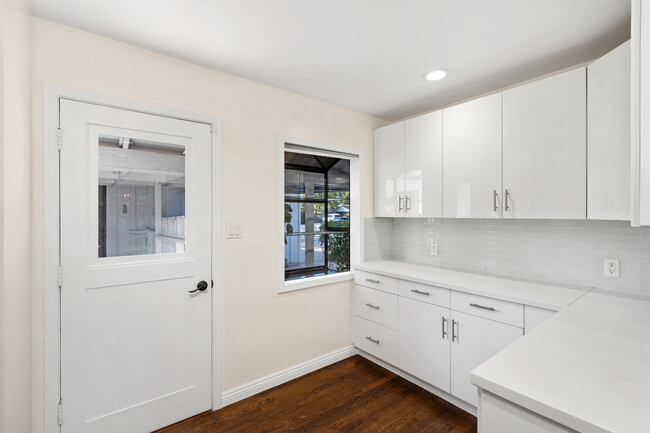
x=316, y=215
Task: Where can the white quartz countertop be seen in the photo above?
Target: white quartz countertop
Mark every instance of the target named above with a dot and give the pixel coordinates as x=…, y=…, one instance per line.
x=587, y=367
x=535, y=294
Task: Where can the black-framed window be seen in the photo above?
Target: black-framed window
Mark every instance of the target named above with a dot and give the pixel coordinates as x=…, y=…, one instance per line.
x=316, y=215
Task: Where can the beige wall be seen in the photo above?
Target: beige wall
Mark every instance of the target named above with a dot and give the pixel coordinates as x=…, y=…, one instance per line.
x=15, y=289
x=263, y=332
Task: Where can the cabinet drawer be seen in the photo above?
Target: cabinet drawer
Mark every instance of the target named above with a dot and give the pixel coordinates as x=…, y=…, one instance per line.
x=490, y=308
x=425, y=293
x=376, y=339
x=375, y=305
x=376, y=281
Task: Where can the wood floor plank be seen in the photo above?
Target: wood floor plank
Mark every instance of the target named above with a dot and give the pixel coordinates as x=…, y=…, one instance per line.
x=353, y=395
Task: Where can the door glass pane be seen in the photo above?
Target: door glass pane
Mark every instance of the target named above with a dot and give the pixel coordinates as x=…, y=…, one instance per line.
x=141, y=197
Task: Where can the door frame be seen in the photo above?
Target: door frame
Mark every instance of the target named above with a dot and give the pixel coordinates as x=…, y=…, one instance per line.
x=51, y=237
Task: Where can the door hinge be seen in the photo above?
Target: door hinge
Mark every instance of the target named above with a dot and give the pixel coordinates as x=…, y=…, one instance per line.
x=59, y=276
x=59, y=413
x=59, y=139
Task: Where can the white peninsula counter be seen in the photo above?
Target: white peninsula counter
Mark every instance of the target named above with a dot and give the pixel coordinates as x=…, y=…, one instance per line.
x=586, y=369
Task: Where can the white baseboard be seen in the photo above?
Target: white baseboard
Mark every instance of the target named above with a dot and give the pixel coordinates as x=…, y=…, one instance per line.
x=422, y=384
x=241, y=392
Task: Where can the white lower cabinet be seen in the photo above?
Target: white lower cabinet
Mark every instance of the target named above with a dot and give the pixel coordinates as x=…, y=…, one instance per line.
x=435, y=334
x=473, y=341
x=424, y=341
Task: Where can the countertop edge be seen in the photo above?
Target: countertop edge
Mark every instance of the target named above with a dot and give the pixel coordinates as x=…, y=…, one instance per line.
x=553, y=414
x=368, y=267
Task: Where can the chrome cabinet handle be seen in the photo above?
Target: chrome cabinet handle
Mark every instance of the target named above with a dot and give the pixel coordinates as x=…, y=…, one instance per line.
x=408, y=203
x=376, y=307
x=202, y=286
x=454, y=337
x=370, y=280
x=483, y=307
x=372, y=339
x=507, y=197
x=444, y=332
x=401, y=203
x=419, y=292
x=494, y=200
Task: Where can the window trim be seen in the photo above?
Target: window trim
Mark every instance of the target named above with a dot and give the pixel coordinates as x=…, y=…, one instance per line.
x=291, y=144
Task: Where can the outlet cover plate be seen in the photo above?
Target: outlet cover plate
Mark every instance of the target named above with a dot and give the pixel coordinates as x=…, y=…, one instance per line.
x=611, y=268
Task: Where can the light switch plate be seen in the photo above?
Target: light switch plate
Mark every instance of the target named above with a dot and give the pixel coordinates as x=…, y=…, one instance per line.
x=233, y=230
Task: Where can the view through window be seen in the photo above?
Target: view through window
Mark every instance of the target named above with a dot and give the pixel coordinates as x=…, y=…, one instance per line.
x=316, y=215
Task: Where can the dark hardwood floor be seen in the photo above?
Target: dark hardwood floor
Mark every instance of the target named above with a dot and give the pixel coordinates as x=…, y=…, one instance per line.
x=353, y=395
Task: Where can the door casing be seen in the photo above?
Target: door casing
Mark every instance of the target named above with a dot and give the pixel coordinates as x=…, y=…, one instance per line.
x=51, y=241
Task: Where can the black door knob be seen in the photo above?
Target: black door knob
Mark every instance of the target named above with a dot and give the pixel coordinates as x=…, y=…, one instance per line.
x=202, y=286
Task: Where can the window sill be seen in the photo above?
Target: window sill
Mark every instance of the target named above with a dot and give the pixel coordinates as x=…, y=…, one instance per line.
x=293, y=285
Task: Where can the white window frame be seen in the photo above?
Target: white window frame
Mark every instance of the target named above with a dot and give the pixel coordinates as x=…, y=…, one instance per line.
x=285, y=143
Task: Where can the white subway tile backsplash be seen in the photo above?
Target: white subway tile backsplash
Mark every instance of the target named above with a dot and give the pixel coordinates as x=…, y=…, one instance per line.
x=556, y=251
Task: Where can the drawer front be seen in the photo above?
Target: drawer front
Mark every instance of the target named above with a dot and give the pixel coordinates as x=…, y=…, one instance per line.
x=376, y=281
x=375, y=305
x=376, y=339
x=489, y=308
x=425, y=293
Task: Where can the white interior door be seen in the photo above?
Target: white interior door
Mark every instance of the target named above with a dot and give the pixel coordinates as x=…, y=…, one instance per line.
x=135, y=241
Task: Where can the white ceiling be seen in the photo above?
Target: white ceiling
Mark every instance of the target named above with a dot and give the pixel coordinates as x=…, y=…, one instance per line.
x=368, y=55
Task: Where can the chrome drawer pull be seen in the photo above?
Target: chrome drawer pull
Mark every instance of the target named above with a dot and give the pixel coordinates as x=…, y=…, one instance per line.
x=370, y=280
x=372, y=339
x=376, y=307
x=482, y=307
x=454, y=337
x=420, y=292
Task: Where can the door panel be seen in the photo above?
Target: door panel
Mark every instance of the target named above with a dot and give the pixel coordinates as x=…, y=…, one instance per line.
x=472, y=159
x=423, y=170
x=474, y=341
x=423, y=342
x=389, y=170
x=135, y=345
x=545, y=148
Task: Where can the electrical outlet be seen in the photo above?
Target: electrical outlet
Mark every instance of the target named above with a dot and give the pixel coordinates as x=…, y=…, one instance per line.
x=434, y=249
x=611, y=268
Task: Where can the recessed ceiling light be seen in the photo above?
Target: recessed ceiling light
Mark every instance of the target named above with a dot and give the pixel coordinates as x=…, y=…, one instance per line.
x=436, y=75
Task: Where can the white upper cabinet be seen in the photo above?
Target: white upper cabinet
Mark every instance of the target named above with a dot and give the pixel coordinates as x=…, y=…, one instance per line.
x=608, y=136
x=423, y=170
x=640, y=137
x=545, y=148
x=389, y=170
x=472, y=159
x=408, y=168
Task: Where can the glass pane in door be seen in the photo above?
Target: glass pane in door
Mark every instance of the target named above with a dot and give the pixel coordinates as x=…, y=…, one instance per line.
x=141, y=197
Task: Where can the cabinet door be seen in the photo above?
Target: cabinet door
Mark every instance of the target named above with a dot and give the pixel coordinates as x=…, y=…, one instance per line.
x=389, y=170
x=545, y=148
x=474, y=341
x=472, y=159
x=424, y=342
x=423, y=166
x=608, y=136
x=640, y=108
